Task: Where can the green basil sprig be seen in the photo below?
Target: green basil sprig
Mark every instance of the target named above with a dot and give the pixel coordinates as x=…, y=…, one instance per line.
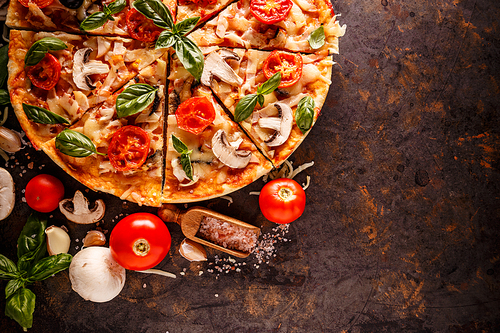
x=317, y=38
x=4, y=60
x=98, y=19
x=304, y=115
x=76, y=144
x=39, y=48
x=134, y=99
x=43, y=116
x=182, y=149
x=245, y=106
x=187, y=51
x=4, y=97
x=31, y=267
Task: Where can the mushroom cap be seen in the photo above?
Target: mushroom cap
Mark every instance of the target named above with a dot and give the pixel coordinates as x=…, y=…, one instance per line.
x=77, y=209
x=215, y=65
x=229, y=154
x=7, y=194
x=282, y=125
x=83, y=67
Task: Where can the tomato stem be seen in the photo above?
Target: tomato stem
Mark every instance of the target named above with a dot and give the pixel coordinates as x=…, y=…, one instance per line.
x=141, y=247
x=285, y=194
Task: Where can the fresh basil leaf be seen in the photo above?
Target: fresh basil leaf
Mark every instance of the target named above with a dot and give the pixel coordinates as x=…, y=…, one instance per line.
x=186, y=165
x=270, y=85
x=166, y=39
x=8, y=269
x=261, y=99
x=13, y=286
x=134, y=99
x=43, y=116
x=20, y=307
x=4, y=97
x=317, y=38
x=185, y=26
x=179, y=146
x=117, y=6
x=4, y=60
x=304, y=115
x=245, y=107
x=157, y=11
x=39, y=48
x=76, y=144
x=190, y=56
x=31, y=242
x=94, y=21
x=49, y=266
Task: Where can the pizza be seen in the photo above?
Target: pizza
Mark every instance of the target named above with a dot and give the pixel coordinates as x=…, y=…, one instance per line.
x=166, y=102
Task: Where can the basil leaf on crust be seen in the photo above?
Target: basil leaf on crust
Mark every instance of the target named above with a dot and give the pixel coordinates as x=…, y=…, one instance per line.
x=76, y=144
x=156, y=11
x=317, y=38
x=39, y=48
x=190, y=56
x=304, y=115
x=182, y=149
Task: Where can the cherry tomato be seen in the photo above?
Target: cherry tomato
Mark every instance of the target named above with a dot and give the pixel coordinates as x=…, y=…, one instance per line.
x=129, y=148
x=140, y=27
x=282, y=200
x=39, y=3
x=139, y=241
x=44, y=192
x=270, y=11
x=45, y=74
x=195, y=114
x=289, y=64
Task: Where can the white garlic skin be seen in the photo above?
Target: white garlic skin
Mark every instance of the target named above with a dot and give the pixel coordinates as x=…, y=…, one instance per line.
x=9, y=140
x=95, y=275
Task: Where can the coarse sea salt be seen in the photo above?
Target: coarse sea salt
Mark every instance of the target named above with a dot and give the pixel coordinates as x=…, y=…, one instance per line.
x=227, y=235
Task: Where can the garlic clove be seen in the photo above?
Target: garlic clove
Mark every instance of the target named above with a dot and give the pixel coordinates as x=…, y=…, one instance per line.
x=192, y=251
x=58, y=240
x=9, y=140
x=94, y=238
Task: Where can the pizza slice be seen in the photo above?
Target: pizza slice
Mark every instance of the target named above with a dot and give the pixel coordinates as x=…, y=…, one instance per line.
x=121, y=150
x=102, y=17
x=292, y=25
x=204, y=9
x=275, y=96
x=207, y=154
x=74, y=73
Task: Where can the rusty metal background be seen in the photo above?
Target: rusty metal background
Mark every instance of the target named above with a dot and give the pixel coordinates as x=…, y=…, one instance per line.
x=401, y=227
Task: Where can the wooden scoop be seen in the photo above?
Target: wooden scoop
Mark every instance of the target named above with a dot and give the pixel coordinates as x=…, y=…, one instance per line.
x=190, y=222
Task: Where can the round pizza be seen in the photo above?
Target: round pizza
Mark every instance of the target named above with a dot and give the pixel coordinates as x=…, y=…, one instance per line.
x=169, y=102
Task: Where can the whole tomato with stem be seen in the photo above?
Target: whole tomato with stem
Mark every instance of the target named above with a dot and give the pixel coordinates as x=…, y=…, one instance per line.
x=139, y=241
x=44, y=192
x=282, y=200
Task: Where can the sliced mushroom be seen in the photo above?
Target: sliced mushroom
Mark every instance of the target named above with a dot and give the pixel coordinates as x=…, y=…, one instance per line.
x=7, y=195
x=77, y=209
x=215, y=65
x=83, y=67
x=282, y=125
x=228, y=153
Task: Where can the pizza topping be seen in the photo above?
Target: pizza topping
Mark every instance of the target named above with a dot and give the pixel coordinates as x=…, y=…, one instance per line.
x=282, y=125
x=38, y=3
x=46, y=73
x=134, y=99
x=75, y=144
x=81, y=12
x=289, y=64
x=185, y=160
x=195, y=114
x=39, y=49
x=141, y=27
x=129, y=148
x=71, y=4
x=215, y=65
x=37, y=17
x=43, y=116
x=306, y=5
x=7, y=194
x=98, y=19
x=270, y=11
x=304, y=115
x=317, y=38
x=83, y=67
x=77, y=209
x=228, y=153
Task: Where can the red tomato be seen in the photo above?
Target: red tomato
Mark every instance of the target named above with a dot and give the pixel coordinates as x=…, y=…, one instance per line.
x=141, y=28
x=39, y=3
x=282, y=200
x=289, y=64
x=44, y=192
x=129, y=148
x=195, y=114
x=270, y=11
x=45, y=74
x=139, y=241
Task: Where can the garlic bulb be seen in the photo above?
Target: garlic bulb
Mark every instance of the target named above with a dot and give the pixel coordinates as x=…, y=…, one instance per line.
x=95, y=275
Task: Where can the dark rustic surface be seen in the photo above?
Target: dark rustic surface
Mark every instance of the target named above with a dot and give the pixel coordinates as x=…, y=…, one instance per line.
x=400, y=232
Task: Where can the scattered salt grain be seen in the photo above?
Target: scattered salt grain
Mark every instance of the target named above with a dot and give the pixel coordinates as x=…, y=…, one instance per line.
x=182, y=273
x=144, y=285
x=200, y=273
x=216, y=295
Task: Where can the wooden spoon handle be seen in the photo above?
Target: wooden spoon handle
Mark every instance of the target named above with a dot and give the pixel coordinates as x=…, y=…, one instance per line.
x=170, y=213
